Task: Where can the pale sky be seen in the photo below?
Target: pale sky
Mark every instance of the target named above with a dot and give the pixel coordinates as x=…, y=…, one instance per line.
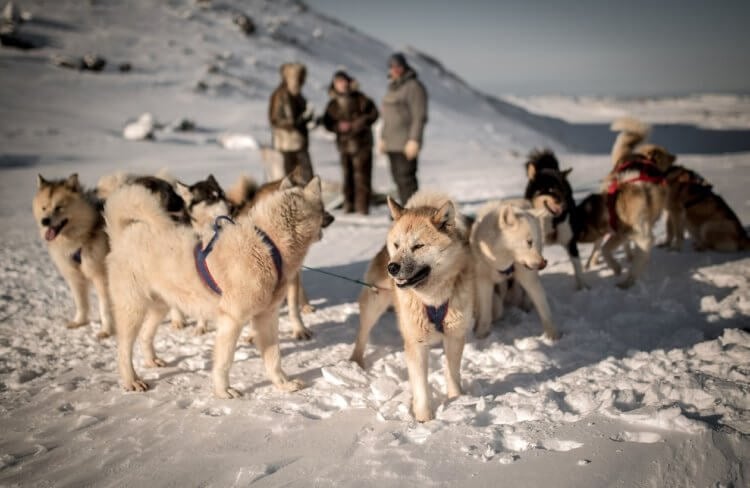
x=626, y=47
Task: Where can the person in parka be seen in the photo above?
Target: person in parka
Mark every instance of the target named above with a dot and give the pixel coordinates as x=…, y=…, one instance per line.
x=289, y=115
x=404, y=112
x=350, y=115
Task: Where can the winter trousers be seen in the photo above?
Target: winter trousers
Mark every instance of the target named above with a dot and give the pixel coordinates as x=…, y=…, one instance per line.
x=357, y=184
x=300, y=158
x=404, y=173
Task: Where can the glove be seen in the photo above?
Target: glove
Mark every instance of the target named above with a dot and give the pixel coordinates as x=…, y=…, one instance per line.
x=411, y=150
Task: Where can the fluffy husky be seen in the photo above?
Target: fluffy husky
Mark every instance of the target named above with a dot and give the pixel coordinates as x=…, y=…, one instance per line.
x=636, y=195
x=426, y=272
x=506, y=241
x=71, y=224
x=710, y=221
x=241, y=276
x=548, y=188
x=244, y=195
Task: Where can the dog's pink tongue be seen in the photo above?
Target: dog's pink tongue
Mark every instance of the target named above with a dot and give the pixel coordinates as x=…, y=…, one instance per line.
x=50, y=234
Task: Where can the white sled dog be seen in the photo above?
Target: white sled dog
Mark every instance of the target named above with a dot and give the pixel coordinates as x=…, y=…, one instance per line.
x=71, y=224
x=506, y=241
x=241, y=276
x=426, y=271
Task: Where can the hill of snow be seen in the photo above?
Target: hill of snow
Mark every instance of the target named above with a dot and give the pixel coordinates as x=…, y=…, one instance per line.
x=647, y=387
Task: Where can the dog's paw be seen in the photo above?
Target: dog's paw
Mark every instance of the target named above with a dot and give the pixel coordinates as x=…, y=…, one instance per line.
x=177, y=324
x=155, y=363
x=200, y=330
x=303, y=334
x=308, y=309
x=249, y=339
x=228, y=393
x=552, y=334
x=74, y=324
x=481, y=332
x=359, y=360
x=626, y=283
x=423, y=415
x=103, y=334
x=291, y=385
x=136, y=385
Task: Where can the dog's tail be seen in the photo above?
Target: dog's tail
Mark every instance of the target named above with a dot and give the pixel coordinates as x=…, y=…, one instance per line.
x=242, y=191
x=107, y=184
x=631, y=133
x=132, y=204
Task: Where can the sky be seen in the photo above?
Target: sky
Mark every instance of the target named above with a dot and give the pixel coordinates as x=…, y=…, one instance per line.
x=571, y=47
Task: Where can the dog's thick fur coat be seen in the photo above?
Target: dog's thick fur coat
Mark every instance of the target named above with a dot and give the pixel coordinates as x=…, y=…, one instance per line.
x=429, y=261
x=71, y=224
x=151, y=267
x=506, y=241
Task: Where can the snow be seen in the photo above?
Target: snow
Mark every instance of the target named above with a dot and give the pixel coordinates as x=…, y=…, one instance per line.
x=648, y=386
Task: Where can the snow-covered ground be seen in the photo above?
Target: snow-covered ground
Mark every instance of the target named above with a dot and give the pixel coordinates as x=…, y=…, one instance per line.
x=647, y=387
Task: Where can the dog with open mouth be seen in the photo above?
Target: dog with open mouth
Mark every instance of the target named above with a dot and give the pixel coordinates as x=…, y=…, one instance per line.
x=425, y=271
x=548, y=188
x=71, y=224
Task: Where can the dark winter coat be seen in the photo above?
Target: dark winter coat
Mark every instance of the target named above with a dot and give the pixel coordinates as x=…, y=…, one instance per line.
x=360, y=111
x=404, y=111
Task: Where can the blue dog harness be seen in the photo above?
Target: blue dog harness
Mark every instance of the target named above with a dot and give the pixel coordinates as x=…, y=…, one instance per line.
x=201, y=254
x=508, y=272
x=437, y=315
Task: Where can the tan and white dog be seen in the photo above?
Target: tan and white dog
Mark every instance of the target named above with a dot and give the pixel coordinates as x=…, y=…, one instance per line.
x=636, y=194
x=506, y=241
x=155, y=264
x=71, y=224
x=426, y=272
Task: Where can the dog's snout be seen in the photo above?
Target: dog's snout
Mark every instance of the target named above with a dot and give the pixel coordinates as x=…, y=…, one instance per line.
x=394, y=268
x=46, y=221
x=543, y=264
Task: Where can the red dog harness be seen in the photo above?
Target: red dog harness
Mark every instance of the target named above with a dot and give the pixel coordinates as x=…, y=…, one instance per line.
x=645, y=171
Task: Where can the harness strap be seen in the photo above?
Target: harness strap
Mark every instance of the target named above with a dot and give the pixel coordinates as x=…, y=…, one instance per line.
x=76, y=256
x=508, y=271
x=614, y=185
x=278, y=262
x=201, y=254
x=437, y=315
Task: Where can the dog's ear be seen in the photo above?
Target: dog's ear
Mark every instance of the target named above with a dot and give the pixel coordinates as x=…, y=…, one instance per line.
x=41, y=182
x=183, y=191
x=212, y=180
x=530, y=170
x=286, y=184
x=396, y=209
x=566, y=172
x=71, y=182
x=313, y=189
x=508, y=216
x=445, y=215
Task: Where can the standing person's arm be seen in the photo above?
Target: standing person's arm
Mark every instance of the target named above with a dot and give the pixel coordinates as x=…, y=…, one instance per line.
x=369, y=115
x=279, y=112
x=329, y=118
x=417, y=100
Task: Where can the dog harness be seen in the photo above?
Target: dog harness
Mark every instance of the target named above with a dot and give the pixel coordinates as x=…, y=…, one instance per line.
x=201, y=254
x=508, y=272
x=437, y=315
x=76, y=256
x=647, y=172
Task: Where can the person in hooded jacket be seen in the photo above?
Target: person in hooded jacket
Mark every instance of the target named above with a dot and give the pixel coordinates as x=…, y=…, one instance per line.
x=350, y=115
x=404, y=111
x=289, y=115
